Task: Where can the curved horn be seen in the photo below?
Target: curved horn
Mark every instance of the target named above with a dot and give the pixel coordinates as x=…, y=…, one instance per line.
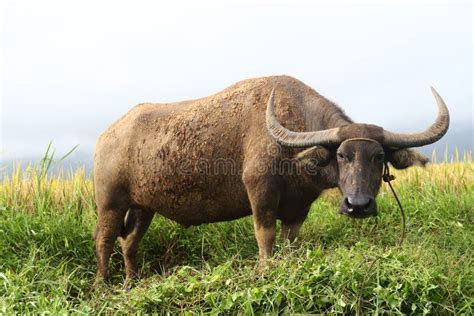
x=431, y=135
x=289, y=138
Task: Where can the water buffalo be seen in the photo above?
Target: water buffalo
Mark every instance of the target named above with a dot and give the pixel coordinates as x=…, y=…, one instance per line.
x=265, y=147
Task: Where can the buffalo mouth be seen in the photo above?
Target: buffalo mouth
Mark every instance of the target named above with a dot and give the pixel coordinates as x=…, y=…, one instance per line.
x=358, y=206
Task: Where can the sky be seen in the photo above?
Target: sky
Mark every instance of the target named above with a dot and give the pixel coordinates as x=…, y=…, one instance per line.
x=70, y=69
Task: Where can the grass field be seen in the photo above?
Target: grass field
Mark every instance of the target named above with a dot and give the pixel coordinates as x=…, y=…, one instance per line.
x=47, y=259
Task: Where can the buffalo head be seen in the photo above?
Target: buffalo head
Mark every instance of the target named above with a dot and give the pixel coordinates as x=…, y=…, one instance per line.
x=360, y=151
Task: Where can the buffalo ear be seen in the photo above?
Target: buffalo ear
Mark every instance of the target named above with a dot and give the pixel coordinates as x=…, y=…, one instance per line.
x=316, y=156
x=404, y=158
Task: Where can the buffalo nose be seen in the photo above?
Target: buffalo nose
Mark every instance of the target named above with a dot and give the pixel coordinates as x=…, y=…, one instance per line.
x=358, y=202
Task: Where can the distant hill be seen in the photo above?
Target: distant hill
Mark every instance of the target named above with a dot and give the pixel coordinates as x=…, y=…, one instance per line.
x=79, y=159
x=459, y=137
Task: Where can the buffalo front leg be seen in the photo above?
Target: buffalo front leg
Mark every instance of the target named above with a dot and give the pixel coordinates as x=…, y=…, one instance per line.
x=108, y=229
x=136, y=224
x=264, y=200
x=290, y=229
x=265, y=232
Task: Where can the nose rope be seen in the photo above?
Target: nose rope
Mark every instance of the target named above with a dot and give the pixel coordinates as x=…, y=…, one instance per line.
x=387, y=177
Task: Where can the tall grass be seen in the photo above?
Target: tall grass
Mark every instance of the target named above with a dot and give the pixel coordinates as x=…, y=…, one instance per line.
x=47, y=260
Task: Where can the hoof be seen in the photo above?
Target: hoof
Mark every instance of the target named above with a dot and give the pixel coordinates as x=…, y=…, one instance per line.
x=130, y=283
x=264, y=265
x=99, y=283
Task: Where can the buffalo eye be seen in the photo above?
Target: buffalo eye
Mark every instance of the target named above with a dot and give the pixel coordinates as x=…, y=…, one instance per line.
x=380, y=157
x=340, y=156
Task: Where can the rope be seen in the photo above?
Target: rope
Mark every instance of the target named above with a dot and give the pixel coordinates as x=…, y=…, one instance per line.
x=359, y=138
x=387, y=177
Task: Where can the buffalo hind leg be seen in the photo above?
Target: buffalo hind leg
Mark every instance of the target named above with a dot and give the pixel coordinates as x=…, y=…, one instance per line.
x=108, y=229
x=136, y=224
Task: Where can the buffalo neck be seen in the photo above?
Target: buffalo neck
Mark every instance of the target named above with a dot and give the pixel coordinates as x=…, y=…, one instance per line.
x=321, y=114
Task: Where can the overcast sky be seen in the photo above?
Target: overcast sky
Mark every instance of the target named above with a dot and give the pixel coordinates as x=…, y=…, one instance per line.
x=69, y=69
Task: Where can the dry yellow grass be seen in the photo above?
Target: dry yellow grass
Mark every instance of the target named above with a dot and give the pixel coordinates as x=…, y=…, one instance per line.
x=27, y=187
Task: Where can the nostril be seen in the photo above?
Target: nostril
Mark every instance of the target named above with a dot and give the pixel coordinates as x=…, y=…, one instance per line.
x=347, y=202
x=369, y=203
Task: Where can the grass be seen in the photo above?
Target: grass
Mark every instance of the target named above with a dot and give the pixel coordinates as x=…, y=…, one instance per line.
x=337, y=265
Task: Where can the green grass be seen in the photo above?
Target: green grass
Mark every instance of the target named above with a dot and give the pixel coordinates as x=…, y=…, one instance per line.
x=47, y=259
